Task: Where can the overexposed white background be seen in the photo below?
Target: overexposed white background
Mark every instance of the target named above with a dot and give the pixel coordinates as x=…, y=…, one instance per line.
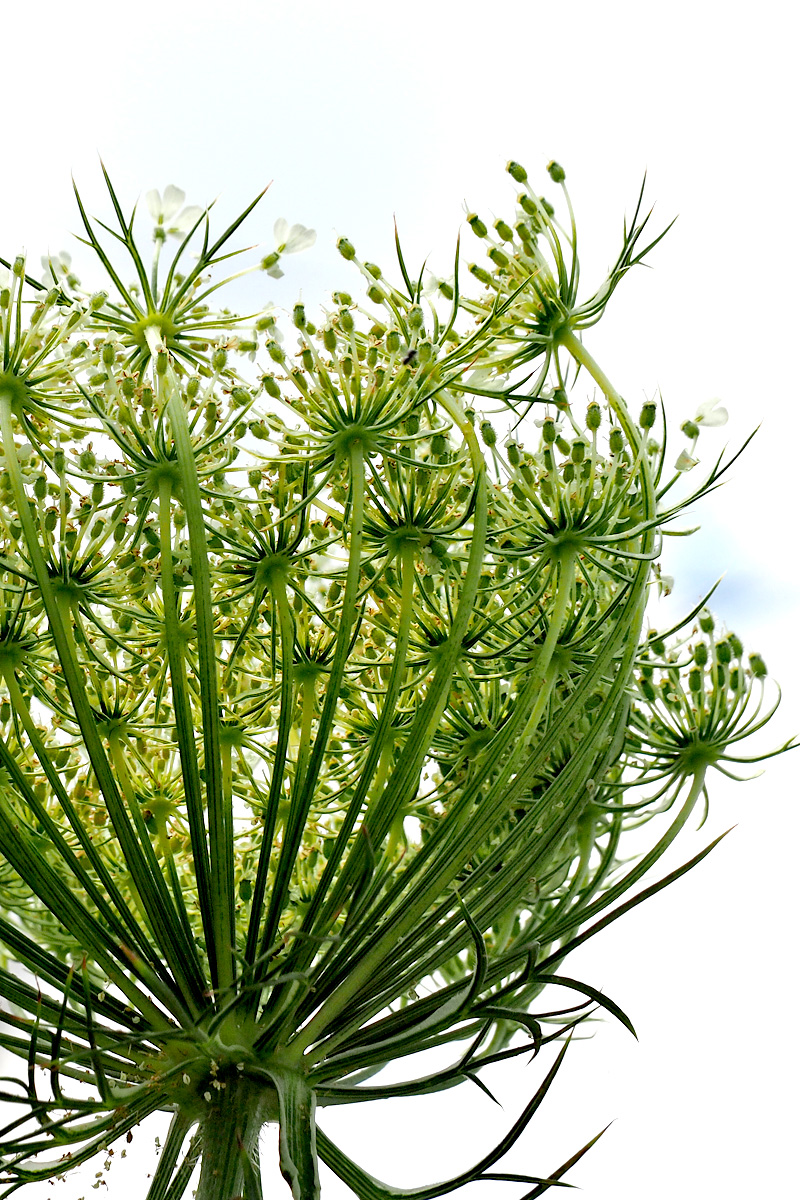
x=363, y=111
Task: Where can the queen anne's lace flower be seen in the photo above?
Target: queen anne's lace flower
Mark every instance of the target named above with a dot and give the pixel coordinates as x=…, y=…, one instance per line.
x=710, y=413
x=168, y=210
x=289, y=239
x=58, y=267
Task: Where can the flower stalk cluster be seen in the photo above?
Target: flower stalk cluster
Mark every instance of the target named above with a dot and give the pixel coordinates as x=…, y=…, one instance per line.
x=326, y=694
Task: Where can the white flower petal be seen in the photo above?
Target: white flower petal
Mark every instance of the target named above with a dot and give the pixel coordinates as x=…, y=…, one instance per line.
x=275, y=272
x=154, y=205
x=187, y=219
x=172, y=201
x=299, y=239
x=711, y=412
x=685, y=461
x=281, y=231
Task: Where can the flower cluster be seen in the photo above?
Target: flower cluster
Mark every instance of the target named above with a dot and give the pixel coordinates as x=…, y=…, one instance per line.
x=316, y=718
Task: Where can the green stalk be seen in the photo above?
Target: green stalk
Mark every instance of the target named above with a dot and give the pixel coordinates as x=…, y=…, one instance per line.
x=185, y=727
x=230, y=1132
x=220, y=815
x=301, y=801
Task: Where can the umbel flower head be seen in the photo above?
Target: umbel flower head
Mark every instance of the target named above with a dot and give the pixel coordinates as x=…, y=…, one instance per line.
x=325, y=702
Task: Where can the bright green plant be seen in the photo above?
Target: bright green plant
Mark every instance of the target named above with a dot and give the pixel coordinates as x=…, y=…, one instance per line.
x=326, y=704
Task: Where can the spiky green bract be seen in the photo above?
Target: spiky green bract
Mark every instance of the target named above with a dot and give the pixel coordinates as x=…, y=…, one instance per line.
x=321, y=704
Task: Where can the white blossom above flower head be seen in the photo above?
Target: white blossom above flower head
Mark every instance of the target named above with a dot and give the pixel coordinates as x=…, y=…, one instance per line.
x=168, y=210
x=289, y=239
x=711, y=412
x=292, y=239
x=685, y=461
x=58, y=268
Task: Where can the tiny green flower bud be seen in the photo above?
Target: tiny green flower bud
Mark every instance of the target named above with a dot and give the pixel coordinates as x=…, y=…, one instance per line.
x=512, y=452
x=375, y=294
x=700, y=654
x=556, y=172
x=271, y=386
x=97, y=493
x=299, y=316
x=439, y=445
x=218, y=359
x=647, y=417
x=347, y=321
x=40, y=487
x=477, y=225
x=549, y=430
x=594, y=416
x=690, y=429
x=480, y=274
x=239, y=397
x=616, y=441
x=488, y=434
x=334, y=591
x=270, y=261
x=696, y=680
x=87, y=460
x=737, y=649
x=254, y=478
x=308, y=359
x=98, y=300
x=706, y=622
x=498, y=258
x=577, y=451
x=446, y=290
x=109, y=353
x=259, y=430
x=346, y=248
x=527, y=205
x=393, y=341
x=416, y=317
x=648, y=691
x=517, y=172
x=59, y=461
x=505, y=231
x=411, y=423
x=162, y=362
x=724, y=652
x=563, y=444
x=757, y=666
x=373, y=269
x=329, y=340
x=547, y=206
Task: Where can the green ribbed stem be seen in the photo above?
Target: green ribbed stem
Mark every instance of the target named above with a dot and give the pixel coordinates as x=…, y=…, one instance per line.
x=231, y=1130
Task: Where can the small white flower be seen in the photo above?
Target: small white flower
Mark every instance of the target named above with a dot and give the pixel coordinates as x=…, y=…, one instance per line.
x=685, y=461
x=288, y=240
x=711, y=412
x=168, y=211
x=58, y=267
x=291, y=240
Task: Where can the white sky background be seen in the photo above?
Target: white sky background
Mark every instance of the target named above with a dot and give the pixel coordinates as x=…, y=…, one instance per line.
x=359, y=111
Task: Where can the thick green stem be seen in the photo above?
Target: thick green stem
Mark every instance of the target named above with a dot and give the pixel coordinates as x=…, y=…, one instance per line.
x=230, y=1132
